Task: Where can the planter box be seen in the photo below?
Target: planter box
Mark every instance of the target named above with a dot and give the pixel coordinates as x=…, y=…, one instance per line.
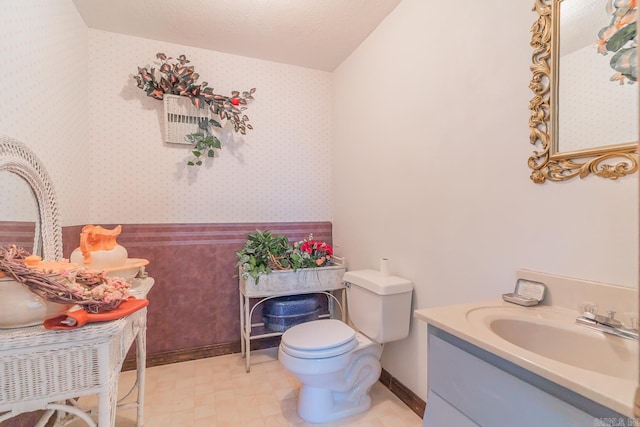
x=287, y=282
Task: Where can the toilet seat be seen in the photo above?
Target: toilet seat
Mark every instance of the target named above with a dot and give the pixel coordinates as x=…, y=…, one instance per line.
x=319, y=339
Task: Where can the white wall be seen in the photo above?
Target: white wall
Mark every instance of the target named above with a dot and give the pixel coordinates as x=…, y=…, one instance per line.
x=430, y=168
x=280, y=171
x=43, y=95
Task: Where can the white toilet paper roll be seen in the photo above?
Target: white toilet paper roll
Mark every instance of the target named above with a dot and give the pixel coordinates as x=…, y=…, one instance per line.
x=384, y=266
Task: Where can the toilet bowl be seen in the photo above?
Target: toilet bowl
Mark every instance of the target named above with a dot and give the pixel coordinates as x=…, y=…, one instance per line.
x=336, y=375
x=336, y=364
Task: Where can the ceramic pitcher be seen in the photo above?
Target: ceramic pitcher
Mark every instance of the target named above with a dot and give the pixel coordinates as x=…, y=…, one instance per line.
x=99, y=249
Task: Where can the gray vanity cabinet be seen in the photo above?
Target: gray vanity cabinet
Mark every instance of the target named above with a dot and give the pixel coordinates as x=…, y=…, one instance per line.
x=469, y=386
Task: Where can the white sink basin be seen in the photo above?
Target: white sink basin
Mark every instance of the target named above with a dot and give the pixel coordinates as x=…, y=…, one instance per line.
x=586, y=349
x=556, y=336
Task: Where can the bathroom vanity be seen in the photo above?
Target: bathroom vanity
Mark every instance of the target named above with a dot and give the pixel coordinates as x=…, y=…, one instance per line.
x=493, y=363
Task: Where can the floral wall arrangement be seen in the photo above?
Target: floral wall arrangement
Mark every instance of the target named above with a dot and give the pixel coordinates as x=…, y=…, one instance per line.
x=175, y=77
x=619, y=37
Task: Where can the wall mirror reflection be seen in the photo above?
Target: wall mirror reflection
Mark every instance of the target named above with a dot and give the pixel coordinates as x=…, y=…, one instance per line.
x=19, y=212
x=584, y=115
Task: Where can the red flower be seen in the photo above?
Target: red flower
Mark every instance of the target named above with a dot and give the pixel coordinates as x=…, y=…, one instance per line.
x=313, y=246
x=311, y=253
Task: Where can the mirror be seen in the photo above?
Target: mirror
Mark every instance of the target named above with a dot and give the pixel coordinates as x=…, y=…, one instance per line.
x=18, y=213
x=17, y=159
x=579, y=127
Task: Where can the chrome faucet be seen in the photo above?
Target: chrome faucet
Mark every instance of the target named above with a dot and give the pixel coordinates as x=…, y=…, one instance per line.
x=607, y=324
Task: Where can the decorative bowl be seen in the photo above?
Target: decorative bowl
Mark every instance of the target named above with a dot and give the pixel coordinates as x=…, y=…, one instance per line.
x=19, y=307
x=127, y=271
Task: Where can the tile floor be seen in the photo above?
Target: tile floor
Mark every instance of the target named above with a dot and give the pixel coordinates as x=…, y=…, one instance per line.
x=217, y=392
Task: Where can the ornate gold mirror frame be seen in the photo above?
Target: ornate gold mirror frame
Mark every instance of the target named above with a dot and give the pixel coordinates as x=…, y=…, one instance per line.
x=547, y=163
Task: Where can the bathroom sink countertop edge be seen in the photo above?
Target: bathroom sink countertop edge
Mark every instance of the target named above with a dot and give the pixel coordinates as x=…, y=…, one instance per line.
x=470, y=322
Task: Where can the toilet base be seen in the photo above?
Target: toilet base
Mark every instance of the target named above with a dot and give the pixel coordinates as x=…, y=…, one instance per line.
x=347, y=391
x=327, y=406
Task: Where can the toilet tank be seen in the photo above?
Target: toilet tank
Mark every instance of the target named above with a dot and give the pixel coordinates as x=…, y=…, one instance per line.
x=379, y=306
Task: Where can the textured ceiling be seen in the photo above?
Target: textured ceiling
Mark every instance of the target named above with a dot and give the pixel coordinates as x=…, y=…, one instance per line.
x=317, y=34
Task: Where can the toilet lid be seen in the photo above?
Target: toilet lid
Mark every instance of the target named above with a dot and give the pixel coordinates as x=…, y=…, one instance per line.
x=319, y=339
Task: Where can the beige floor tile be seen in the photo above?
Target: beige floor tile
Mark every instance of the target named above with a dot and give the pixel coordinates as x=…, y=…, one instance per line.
x=249, y=415
x=204, y=399
x=157, y=420
x=256, y=378
x=286, y=393
x=253, y=423
x=227, y=415
x=222, y=384
x=204, y=412
x=217, y=392
x=204, y=388
x=182, y=418
x=188, y=383
x=277, y=421
x=247, y=402
x=159, y=410
x=225, y=396
x=292, y=417
x=184, y=403
x=241, y=380
x=158, y=398
x=269, y=409
x=267, y=399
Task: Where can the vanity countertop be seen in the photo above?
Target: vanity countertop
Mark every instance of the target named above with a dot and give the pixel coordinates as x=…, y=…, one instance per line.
x=472, y=323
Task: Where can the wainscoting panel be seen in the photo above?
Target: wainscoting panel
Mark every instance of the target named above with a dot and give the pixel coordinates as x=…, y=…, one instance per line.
x=195, y=300
x=19, y=233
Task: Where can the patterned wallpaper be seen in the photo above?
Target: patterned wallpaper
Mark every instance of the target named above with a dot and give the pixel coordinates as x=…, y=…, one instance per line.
x=100, y=137
x=594, y=110
x=280, y=171
x=43, y=95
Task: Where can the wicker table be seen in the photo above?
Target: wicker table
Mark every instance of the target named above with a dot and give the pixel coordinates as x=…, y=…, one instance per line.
x=41, y=369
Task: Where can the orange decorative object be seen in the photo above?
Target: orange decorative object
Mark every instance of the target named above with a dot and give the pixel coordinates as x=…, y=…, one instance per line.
x=97, y=238
x=98, y=248
x=32, y=260
x=77, y=318
x=35, y=262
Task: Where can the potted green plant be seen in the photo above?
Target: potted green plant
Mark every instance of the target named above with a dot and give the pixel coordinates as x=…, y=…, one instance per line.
x=270, y=263
x=263, y=252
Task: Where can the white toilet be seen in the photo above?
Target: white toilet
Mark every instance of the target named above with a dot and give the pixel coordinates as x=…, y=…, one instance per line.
x=337, y=365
